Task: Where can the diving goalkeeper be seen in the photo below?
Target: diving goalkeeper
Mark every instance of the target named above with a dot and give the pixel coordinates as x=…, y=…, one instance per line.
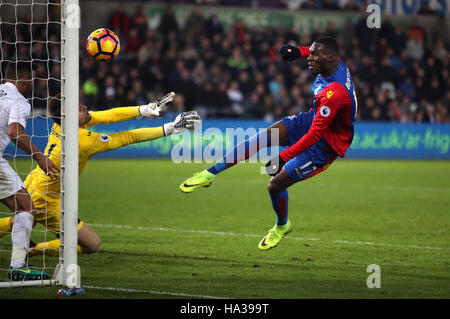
x=45, y=192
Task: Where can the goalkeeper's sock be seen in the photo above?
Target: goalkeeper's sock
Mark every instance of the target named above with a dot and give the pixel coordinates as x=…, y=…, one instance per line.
x=241, y=152
x=20, y=238
x=280, y=206
x=5, y=226
x=51, y=248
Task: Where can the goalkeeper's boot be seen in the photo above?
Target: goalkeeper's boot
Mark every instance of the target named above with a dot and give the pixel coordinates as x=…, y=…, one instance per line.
x=273, y=238
x=27, y=273
x=202, y=179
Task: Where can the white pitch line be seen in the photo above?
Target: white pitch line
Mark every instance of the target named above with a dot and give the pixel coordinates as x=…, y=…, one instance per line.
x=154, y=292
x=254, y=235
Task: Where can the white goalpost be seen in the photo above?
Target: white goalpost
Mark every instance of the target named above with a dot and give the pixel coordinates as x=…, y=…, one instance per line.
x=70, y=19
x=19, y=20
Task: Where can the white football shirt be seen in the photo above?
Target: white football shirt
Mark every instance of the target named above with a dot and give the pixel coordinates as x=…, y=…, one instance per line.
x=14, y=108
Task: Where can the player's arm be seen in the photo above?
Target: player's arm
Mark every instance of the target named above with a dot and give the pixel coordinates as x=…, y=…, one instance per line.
x=18, y=136
x=186, y=121
x=290, y=53
x=120, y=114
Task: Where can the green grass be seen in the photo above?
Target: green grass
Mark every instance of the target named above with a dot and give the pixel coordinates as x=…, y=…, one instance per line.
x=156, y=239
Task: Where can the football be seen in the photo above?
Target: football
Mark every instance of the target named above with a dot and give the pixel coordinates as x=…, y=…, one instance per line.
x=103, y=45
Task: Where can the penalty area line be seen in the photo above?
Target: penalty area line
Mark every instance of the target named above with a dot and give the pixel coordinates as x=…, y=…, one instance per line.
x=210, y=232
x=153, y=292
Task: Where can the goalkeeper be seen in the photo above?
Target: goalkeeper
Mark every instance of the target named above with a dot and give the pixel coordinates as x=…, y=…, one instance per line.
x=46, y=192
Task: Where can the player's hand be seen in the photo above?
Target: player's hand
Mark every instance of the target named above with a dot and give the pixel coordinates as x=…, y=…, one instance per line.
x=186, y=121
x=153, y=109
x=47, y=166
x=275, y=165
x=289, y=52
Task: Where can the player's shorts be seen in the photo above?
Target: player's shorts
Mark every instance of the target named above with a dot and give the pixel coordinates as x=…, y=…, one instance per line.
x=313, y=160
x=10, y=182
x=48, y=214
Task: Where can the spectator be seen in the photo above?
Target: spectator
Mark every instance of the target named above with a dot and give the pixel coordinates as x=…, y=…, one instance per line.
x=425, y=8
x=213, y=26
x=439, y=32
x=308, y=4
x=140, y=21
x=365, y=35
x=350, y=5
x=133, y=42
x=90, y=91
x=168, y=22
x=120, y=21
x=416, y=31
x=415, y=48
x=195, y=23
x=237, y=98
x=398, y=39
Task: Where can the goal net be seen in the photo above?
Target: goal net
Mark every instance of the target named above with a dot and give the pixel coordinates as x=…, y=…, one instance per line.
x=45, y=34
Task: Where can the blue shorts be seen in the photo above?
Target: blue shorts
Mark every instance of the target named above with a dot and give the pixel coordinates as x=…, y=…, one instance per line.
x=313, y=160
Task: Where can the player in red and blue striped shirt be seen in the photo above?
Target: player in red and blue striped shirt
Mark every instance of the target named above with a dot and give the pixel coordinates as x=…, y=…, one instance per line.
x=313, y=139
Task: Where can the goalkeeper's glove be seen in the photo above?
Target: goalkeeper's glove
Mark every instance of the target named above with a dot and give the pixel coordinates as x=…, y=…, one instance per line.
x=186, y=121
x=275, y=165
x=289, y=53
x=154, y=108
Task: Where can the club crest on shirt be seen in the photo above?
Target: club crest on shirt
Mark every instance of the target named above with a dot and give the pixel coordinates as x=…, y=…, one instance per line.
x=330, y=94
x=324, y=111
x=104, y=138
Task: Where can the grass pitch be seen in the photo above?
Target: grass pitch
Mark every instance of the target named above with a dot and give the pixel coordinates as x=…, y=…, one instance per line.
x=161, y=243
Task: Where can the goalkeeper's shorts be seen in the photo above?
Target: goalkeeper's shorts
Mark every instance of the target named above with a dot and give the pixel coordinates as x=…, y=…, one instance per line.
x=48, y=214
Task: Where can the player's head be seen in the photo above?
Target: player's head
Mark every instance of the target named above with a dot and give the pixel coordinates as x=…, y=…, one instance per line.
x=21, y=74
x=54, y=111
x=54, y=108
x=323, y=55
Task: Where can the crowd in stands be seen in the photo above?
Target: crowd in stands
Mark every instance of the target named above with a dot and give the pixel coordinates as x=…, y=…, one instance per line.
x=401, y=72
x=425, y=7
x=235, y=71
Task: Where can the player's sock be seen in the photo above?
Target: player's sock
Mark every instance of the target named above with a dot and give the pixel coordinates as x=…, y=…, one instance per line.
x=280, y=206
x=20, y=237
x=5, y=226
x=241, y=152
x=51, y=248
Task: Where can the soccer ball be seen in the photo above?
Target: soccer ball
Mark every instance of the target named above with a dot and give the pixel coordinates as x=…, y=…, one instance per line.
x=103, y=45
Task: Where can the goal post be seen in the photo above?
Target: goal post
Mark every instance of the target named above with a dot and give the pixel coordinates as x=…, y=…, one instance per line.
x=70, y=24
x=20, y=20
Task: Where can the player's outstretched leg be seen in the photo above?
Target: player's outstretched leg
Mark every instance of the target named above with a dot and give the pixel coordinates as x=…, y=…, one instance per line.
x=273, y=136
x=237, y=154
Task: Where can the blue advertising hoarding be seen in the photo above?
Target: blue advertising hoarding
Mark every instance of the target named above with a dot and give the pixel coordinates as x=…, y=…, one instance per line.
x=371, y=140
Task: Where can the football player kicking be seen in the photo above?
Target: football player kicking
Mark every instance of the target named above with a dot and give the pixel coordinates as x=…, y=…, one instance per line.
x=313, y=139
x=45, y=192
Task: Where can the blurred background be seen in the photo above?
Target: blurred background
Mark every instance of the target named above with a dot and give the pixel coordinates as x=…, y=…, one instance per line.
x=222, y=60
x=220, y=57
